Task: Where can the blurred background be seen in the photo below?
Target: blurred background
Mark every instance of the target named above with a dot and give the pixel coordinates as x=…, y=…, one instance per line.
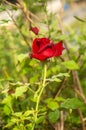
x=52, y=17
x=70, y=12
x=13, y=40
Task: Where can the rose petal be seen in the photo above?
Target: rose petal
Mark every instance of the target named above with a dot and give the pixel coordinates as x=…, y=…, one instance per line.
x=39, y=57
x=36, y=45
x=45, y=47
x=49, y=51
x=39, y=43
x=59, y=48
x=45, y=41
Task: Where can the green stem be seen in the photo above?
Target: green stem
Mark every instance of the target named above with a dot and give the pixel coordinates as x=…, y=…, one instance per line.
x=39, y=95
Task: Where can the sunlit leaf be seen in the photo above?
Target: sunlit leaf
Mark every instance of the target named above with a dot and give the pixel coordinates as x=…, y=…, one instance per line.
x=20, y=90
x=21, y=57
x=59, y=99
x=71, y=65
x=28, y=112
x=53, y=105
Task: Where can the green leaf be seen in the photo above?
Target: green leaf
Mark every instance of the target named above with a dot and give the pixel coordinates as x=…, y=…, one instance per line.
x=20, y=90
x=34, y=98
x=63, y=74
x=71, y=65
x=6, y=110
x=15, y=128
x=33, y=63
x=16, y=84
x=33, y=79
x=53, y=80
x=7, y=101
x=72, y=103
x=11, y=122
x=17, y=114
x=28, y=112
x=48, y=100
x=40, y=119
x=29, y=126
x=9, y=125
x=55, y=77
x=21, y=57
x=59, y=99
x=53, y=105
x=54, y=116
x=14, y=120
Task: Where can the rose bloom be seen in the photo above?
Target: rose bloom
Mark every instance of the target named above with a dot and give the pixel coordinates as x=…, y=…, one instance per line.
x=43, y=48
x=35, y=30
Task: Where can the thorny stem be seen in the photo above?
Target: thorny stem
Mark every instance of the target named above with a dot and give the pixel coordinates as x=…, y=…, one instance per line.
x=39, y=95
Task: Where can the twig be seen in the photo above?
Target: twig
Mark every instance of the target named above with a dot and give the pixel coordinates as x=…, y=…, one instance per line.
x=57, y=126
x=33, y=15
x=80, y=94
x=81, y=117
x=25, y=11
x=16, y=5
x=79, y=110
x=61, y=120
x=5, y=1
x=24, y=37
x=77, y=82
x=61, y=86
x=60, y=125
x=84, y=119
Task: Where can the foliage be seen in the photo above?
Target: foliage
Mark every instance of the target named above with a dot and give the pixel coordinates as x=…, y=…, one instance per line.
x=32, y=93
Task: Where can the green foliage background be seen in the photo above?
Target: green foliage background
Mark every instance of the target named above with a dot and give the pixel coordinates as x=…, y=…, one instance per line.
x=21, y=77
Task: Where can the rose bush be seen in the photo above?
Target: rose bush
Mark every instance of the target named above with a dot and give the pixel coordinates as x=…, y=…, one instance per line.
x=43, y=48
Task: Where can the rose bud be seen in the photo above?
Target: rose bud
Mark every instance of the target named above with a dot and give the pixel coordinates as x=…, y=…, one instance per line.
x=35, y=30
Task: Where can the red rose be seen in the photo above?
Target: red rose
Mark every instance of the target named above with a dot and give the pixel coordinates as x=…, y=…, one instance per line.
x=35, y=30
x=43, y=49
